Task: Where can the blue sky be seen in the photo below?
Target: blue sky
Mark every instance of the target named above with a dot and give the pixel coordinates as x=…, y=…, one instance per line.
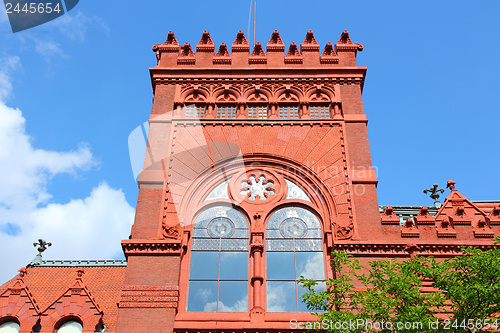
x=73, y=89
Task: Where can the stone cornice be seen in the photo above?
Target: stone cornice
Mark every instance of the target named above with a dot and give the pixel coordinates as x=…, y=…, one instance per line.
x=400, y=250
x=151, y=247
x=351, y=75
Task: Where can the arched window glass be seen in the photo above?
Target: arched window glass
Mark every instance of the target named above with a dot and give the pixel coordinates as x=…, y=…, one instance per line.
x=288, y=111
x=196, y=111
x=295, y=192
x=293, y=249
x=257, y=111
x=319, y=111
x=9, y=327
x=218, y=277
x=70, y=327
x=226, y=111
x=219, y=192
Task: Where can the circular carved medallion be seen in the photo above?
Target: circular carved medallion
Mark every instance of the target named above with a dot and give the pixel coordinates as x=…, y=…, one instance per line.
x=293, y=228
x=220, y=227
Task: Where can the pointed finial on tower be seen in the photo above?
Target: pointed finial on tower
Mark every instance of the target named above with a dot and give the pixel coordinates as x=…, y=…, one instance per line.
x=451, y=185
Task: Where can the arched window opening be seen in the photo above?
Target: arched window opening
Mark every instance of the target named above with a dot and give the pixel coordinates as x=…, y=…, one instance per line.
x=70, y=326
x=9, y=326
x=257, y=111
x=293, y=249
x=319, y=111
x=218, y=278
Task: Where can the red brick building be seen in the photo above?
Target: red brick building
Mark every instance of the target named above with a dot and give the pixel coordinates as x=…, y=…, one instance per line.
x=258, y=167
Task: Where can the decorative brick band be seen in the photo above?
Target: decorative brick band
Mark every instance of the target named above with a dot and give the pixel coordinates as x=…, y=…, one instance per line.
x=400, y=249
x=149, y=297
x=148, y=247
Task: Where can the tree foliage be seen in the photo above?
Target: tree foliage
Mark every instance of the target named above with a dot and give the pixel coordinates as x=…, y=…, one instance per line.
x=465, y=298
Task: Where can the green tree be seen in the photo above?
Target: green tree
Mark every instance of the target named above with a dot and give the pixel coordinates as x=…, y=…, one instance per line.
x=391, y=298
x=471, y=285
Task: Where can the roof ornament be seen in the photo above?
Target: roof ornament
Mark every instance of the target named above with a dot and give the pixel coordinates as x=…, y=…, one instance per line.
x=435, y=195
x=42, y=246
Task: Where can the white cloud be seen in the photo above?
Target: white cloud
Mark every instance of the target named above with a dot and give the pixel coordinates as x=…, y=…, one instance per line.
x=75, y=25
x=49, y=50
x=240, y=306
x=7, y=66
x=89, y=228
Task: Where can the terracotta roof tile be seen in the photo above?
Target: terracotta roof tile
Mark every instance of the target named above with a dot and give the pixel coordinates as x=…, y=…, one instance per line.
x=48, y=283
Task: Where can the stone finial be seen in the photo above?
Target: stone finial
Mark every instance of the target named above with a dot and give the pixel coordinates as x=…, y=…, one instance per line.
x=451, y=185
x=186, y=50
x=309, y=43
x=206, y=39
x=258, y=51
x=389, y=211
x=22, y=272
x=276, y=38
x=345, y=40
x=223, y=51
x=79, y=274
x=309, y=39
x=409, y=223
x=293, y=51
x=171, y=40
x=205, y=44
x=389, y=217
x=275, y=43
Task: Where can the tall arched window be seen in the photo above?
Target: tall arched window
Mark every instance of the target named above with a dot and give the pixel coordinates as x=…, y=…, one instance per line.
x=257, y=233
x=293, y=249
x=218, y=279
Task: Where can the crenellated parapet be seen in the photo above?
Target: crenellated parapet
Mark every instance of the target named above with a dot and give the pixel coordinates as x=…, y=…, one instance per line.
x=342, y=54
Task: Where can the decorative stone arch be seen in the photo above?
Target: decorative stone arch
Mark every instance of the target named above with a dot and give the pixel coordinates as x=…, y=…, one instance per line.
x=226, y=94
x=289, y=95
x=276, y=168
x=320, y=95
x=322, y=200
x=68, y=319
x=254, y=95
x=196, y=93
x=195, y=98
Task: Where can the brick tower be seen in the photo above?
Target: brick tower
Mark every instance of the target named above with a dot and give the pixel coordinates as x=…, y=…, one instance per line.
x=254, y=160
x=257, y=169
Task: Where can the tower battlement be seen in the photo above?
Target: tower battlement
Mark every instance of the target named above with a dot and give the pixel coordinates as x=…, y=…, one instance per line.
x=172, y=54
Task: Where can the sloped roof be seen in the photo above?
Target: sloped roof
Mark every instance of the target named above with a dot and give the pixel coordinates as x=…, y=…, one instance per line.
x=50, y=280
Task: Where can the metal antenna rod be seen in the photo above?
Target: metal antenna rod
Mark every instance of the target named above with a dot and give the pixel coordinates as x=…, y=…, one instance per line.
x=254, y=19
x=249, y=18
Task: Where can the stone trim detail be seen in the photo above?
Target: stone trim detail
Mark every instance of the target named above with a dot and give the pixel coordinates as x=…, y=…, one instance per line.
x=149, y=297
x=400, y=250
x=148, y=247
